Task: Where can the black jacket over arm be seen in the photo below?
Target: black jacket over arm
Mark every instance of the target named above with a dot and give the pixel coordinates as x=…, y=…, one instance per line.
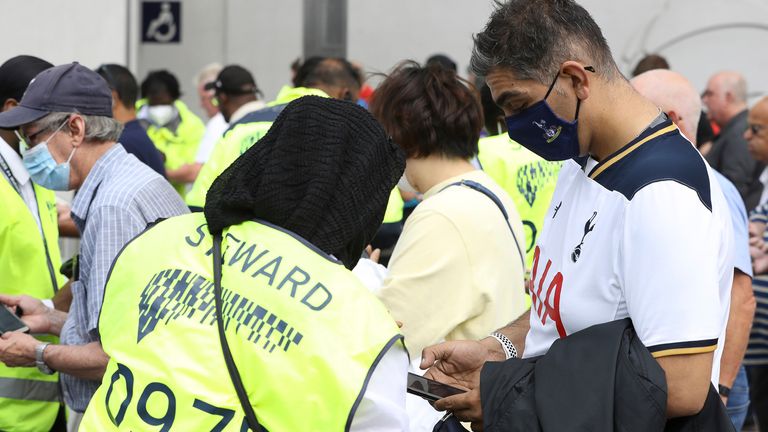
x=599, y=379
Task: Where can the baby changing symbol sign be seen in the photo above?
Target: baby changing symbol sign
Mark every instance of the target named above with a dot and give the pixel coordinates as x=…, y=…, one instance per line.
x=161, y=21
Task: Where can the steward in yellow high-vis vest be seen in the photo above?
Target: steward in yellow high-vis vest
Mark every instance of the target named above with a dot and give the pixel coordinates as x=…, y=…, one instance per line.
x=317, y=76
x=29, y=263
x=29, y=258
x=528, y=179
x=306, y=338
x=178, y=140
x=239, y=138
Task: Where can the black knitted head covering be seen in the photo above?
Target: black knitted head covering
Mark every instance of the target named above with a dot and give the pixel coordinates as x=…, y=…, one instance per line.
x=324, y=171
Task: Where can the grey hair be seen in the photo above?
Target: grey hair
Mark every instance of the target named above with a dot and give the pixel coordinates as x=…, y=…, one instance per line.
x=532, y=38
x=97, y=128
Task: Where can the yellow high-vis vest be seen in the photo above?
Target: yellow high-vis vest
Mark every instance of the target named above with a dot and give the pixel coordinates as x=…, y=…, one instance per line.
x=180, y=147
x=29, y=264
x=240, y=137
x=528, y=179
x=304, y=333
x=394, y=212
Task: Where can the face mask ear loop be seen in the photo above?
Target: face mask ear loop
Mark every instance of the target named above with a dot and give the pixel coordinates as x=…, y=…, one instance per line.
x=71, y=154
x=578, y=105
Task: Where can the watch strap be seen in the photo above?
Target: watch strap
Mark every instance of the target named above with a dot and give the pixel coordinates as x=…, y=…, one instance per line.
x=40, y=360
x=509, y=348
x=724, y=391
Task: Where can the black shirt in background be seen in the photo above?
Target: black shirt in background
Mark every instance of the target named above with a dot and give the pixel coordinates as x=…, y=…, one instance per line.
x=135, y=141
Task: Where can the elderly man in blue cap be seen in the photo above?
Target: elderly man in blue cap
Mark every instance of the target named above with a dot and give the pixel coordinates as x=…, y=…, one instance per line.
x=65, y=120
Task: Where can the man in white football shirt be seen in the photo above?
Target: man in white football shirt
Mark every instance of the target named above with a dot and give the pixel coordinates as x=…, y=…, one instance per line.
x=637, y=227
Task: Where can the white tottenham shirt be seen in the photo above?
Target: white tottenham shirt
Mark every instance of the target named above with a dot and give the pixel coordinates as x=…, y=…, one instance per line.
x=643, y=234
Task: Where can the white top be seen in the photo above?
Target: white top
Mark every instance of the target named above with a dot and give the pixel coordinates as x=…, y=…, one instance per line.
x=382, y=408
x=214, y=129
x=764, y=181
x=21, y=177
x=646, y=235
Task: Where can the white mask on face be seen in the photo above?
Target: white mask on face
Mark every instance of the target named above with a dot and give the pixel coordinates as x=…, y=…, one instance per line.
x=161, y=115
x=405, y=186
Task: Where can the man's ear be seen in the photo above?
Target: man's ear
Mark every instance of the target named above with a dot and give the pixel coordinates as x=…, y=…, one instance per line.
x=76, y=126
x=10, y=103
x=580, y=77
x=674, y=117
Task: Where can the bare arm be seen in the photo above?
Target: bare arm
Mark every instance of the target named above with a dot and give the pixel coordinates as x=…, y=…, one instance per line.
x=688, y=381
x=63, y=299
x=83, y=361
x=186, y=173
x=516, y=331
x=739, y=324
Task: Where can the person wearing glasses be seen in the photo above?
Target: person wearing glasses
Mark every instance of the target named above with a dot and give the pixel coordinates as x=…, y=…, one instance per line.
x=756, y=358
x=726, y=101
x=65, y=120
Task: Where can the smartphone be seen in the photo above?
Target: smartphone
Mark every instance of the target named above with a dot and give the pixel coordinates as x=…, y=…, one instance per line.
x=429, y=389
x=9, y=322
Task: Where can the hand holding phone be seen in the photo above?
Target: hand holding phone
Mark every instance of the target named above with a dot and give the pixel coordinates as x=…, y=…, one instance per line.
x=9, y=322
x=429, y=389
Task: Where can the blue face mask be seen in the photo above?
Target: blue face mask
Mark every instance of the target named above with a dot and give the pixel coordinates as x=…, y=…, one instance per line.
x=543, y=132
x=43, y=168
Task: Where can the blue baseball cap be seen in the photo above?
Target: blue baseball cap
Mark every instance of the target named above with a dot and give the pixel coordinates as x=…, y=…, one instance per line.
x=66, y=88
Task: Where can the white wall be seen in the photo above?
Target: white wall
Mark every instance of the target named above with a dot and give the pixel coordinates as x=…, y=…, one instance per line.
x=91, y=32
x=382, y=33
x=716, y=35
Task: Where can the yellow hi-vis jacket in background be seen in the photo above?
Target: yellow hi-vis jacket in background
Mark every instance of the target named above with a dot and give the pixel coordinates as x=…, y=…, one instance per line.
x=237, y=139
x=528, y=179
x=178, y=147
x=29, y=264
x=304, y=333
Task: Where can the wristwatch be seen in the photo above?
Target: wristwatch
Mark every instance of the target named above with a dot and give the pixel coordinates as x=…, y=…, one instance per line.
x=724, y=391
x=40, y=362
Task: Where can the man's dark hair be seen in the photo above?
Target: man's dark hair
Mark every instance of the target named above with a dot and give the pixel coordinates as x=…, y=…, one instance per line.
x=160, y=82
x=532, y=38
x=442, y=60
x=122, y=81
x=429, y=110
x=650, y=62
x=329, y=71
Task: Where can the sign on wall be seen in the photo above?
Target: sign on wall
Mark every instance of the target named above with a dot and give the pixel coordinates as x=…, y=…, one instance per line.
x=161, y=22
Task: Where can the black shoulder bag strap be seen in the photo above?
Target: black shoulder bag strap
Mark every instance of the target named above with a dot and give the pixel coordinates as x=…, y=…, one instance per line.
x=487, y=192
x=234, y=374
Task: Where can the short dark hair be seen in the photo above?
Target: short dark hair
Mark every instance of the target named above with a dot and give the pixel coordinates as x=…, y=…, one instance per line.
x=160, y=82
x=429, y=110
x=532, y=38
x=442, y=60
x=122, y=81
x=329, y=71
x=650, y=62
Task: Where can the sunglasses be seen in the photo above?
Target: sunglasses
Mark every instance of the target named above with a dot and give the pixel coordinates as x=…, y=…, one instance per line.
x=755, y=128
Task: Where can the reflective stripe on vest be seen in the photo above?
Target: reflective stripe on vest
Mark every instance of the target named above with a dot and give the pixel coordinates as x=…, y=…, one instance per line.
x=295, y=318
x=31, y=390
